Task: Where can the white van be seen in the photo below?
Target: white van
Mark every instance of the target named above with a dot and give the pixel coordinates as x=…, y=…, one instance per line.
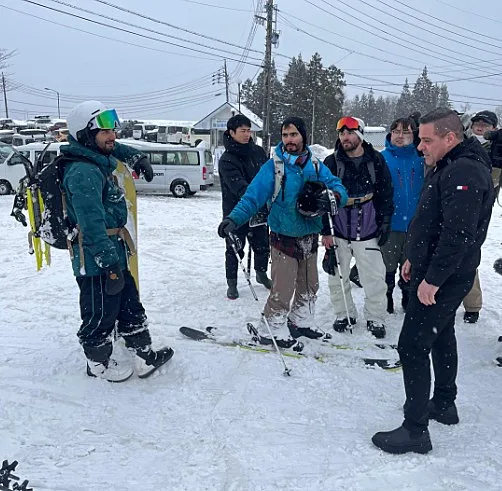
x=139, y=130
x=12, y=168
x=177, y=169
x=29, y=136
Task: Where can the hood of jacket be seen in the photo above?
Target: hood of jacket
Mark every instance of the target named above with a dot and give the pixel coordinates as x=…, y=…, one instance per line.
x=240, y=149
x=400, y=152
x=106, y=163
x=291, y=159
x=469, y=148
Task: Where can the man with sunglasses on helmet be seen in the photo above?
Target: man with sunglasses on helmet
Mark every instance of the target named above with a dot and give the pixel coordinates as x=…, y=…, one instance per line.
x=294, y=234
x=96, y=205
x=361, y=228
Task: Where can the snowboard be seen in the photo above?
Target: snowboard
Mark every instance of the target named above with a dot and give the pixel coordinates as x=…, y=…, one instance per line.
x=209, y=335
x=126, y=182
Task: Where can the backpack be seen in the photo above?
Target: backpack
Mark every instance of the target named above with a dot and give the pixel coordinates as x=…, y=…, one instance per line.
x=51, y=221
x=280, y=176
x=340, y=167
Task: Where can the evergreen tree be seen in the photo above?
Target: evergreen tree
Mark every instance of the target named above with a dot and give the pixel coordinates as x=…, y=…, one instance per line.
x=404, y=105
x=424, y=94
x=444, y=96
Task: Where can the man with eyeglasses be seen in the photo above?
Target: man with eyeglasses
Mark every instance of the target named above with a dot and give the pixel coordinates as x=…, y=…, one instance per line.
x=406, y=167
x=361, y=227
x=96, y=205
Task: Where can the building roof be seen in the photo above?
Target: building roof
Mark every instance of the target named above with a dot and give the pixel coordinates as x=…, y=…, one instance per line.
x=225, y=112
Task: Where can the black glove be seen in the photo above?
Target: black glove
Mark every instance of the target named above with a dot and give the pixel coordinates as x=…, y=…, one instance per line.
x=496, y=147
x=384, y=232
x=497, y=266
x=143, y=166
x=114, y=280
x=329, y=261
x=19, y=216
x=227, y=226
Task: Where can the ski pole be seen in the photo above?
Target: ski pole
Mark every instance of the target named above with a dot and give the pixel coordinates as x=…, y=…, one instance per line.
x=337, y=259
x=287, y=371
x=233, y=242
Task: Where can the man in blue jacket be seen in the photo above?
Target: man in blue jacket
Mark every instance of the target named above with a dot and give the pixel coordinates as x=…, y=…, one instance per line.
x=406, y=167
x=96, y=205
x=294, y=237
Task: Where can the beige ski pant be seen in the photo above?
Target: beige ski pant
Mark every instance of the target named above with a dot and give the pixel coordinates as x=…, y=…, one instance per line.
x=371, y=274
x=294, y=280
x=473, y=301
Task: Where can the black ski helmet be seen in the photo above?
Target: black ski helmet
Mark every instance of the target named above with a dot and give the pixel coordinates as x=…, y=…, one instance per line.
x=313, y=200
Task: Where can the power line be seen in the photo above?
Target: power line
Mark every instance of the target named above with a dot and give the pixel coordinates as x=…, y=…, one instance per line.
x=129, y=32
x=158, y=50
x=172, y=26
x=216, y=6
x=468, y=12
x=443, y=28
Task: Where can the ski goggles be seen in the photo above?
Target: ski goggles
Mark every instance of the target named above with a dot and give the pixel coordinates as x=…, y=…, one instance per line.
x=105, y=120
x=351, y=124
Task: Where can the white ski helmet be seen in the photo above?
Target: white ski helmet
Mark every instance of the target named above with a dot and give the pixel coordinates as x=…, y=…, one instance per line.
x=91, y=115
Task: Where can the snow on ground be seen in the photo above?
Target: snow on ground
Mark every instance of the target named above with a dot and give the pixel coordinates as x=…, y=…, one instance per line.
x=220, y=418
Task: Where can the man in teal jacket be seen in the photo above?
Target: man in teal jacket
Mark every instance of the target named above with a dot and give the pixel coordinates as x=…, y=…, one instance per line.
x=294, y=237
x=406, y=167
x=96, y=204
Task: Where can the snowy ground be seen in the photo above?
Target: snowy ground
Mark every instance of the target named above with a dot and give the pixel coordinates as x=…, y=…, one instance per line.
x=221, y=418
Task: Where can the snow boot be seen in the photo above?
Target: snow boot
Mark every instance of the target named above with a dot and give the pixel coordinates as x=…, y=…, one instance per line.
x=402, y=440
x=390, y=303
x=109, y=370
x=341, y=325
x=448, y=416
x=471, y=317
x=232, y=292
x=376, y=328
x=263, y=279
x=146, y=360
x=308, y=332
x=282, y=337
x=354, y=276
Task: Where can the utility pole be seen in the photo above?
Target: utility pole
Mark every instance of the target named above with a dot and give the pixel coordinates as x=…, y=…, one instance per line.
x=226, y=78
x=239, y=94
x=268, y=75
x=5, y=96
x=57, y=93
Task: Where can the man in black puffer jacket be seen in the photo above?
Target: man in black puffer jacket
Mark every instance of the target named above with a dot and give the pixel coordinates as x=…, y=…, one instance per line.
x=443, y=250
x=237, y=167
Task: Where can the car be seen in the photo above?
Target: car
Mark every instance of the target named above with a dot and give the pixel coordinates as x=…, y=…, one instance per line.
x=178, y=169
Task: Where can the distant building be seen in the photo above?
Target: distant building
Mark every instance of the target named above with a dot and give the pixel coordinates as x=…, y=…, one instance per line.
x=376, y=136
x=216, y=122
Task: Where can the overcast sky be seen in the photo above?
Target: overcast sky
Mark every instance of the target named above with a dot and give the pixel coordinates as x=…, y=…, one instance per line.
x=377, y=43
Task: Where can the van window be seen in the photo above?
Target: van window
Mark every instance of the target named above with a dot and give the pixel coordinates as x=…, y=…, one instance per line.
x=157, y=158
x=162, y=129
x=182, y=158
x=208, y=157
x=137, y=127
x=49, y=156
x=172, y=130
x=17, y=160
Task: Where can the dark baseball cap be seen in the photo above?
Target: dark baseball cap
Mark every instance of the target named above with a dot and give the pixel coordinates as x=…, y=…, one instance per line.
x=486, y=116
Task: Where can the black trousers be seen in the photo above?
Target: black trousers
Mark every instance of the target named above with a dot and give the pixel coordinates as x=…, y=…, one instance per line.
x=431, y=330
x=102, y=314
x=258, y=239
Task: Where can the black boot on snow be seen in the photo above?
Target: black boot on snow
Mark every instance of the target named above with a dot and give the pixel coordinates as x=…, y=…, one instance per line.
x=401, y=441
x=263, y=279
x=232, y=292
x=471, y=317
x=283, y=339
x=308, y=332
x=448, y=416
x=376, y=328
x=341, y=325
x=146, y=361
x=390, y=303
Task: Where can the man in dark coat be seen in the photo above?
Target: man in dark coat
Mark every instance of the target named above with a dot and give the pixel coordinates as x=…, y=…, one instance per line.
x=443, y=251
x=237, y=167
